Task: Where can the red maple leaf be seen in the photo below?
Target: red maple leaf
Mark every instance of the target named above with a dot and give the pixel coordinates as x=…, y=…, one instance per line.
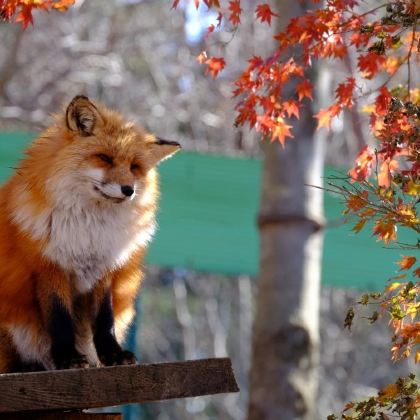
x=383, y=100
x=254, y=62
x=264, y=13
x=370, y=63
x=235, y=12
x=219, y=19
x=344, y=92
x=210, y=29
x=25, y=16
x=215, y=65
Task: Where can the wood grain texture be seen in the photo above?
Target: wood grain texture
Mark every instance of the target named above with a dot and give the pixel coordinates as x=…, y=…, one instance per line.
x=110, y=386
x=61, y=415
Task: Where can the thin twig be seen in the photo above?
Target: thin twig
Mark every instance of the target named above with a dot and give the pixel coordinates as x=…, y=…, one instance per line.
x=409, y=57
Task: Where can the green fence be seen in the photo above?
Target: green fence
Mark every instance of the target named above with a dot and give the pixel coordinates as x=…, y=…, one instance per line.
x=207, y=221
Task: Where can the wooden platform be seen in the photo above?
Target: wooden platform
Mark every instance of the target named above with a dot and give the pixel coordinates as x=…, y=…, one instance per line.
x=103, y=387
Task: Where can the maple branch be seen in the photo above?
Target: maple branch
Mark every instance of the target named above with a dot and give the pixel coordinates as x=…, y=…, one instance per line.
x=354, y=114
x=372, y=10
x=409, y=57
x=388, y=79
x=402, y=245
x=379, y=208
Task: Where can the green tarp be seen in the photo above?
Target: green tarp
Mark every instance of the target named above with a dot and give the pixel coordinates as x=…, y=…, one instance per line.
x=207, y=219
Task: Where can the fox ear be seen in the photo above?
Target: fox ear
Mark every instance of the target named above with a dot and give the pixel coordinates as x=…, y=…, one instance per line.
x=81, y=115
x=162, y=149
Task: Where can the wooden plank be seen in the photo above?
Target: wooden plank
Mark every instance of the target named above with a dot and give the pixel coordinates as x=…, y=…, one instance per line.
x=109, y=386
x=62, y=415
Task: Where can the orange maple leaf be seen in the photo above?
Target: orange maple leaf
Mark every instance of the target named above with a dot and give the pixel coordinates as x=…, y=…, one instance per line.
x=212, y=3
x=326, y=115
x=392, y=64
x=264, y=13
x=304, y=89
x=24, y=8
x=280, y=131
x=388, y=167
x=407, y=262
x=215, y=65
x=357, y=202
x=359, y=225
x=385, y=231
x=389, y=391
x=363, y=165
x=291, y=108
x=62, y=5
x=324, y=118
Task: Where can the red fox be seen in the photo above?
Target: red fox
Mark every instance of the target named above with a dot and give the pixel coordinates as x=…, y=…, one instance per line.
x=75, y=220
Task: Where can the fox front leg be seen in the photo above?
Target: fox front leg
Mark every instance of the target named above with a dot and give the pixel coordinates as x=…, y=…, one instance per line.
x=55, y=297
x=109, y=350
x=62, y=333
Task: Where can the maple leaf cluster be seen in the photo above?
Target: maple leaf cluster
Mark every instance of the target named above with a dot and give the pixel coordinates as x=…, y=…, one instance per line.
x=399, y=300
x=383, y=187
x=382, y=45
x=398, y=400
x=21, y=10
x=391, y=197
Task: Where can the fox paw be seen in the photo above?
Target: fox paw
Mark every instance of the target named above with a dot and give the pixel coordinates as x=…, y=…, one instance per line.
x=120, y=357
x=79, y=362
x=75, y=362
x=127, y=358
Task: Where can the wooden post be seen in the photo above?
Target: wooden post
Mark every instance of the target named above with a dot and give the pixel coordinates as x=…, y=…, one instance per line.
x=77, y=389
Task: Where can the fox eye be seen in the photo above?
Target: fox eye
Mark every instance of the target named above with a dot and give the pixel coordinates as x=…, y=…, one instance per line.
x=134, y=167
x=105, y=158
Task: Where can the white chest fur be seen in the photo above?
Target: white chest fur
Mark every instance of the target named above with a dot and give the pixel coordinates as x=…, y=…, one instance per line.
x=88, y=242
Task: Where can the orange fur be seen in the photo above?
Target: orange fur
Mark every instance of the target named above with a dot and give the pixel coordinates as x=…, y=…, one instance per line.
x=66, y=230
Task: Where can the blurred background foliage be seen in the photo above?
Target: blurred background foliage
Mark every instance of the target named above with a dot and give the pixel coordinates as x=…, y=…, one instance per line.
x=198, y=297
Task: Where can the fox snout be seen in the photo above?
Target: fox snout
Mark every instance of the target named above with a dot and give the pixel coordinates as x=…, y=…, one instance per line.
x=127, y=190
x=115, y=191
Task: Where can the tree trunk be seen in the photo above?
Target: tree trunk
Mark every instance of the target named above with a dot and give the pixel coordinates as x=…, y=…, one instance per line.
x=283, y=378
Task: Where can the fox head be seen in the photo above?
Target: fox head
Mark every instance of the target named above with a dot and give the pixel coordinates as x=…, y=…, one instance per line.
x=101, y=156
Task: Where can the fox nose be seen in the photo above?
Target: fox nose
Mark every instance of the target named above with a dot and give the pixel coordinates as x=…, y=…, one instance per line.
x=127, y=190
